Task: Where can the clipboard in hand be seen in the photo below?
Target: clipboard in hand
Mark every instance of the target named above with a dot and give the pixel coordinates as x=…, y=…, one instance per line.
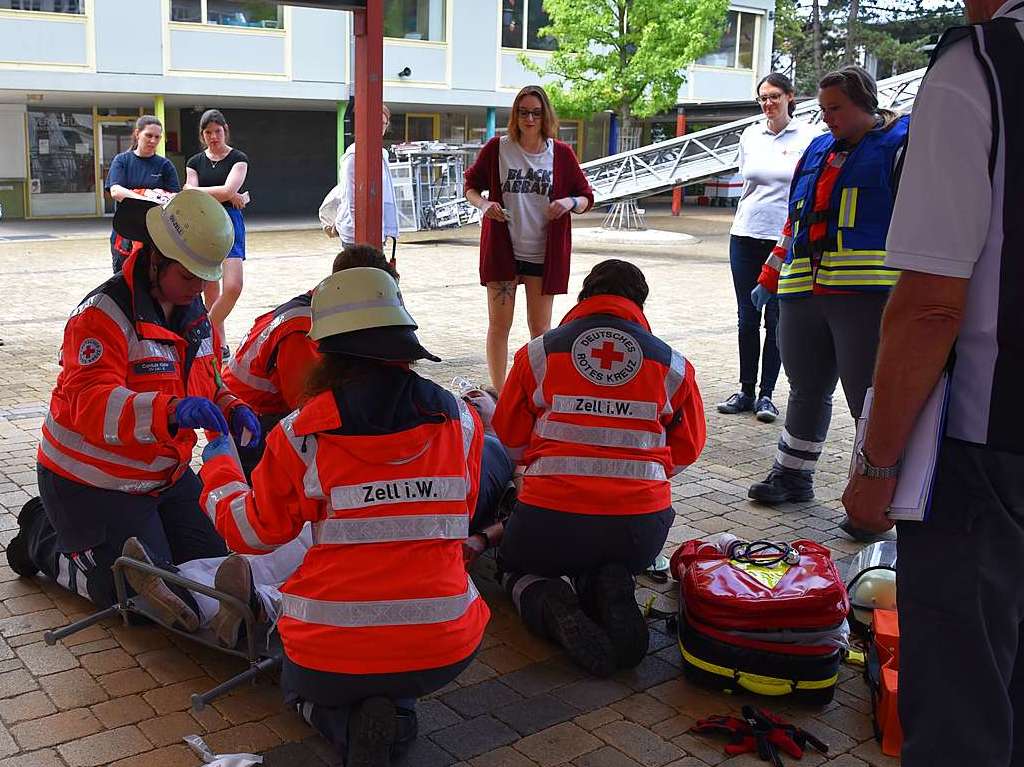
x=913, y=496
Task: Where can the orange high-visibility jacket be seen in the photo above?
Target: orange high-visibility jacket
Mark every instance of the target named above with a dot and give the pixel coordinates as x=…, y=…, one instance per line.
x=383, y=589
x=270, y=366
x=121, y=367
x=601, y=413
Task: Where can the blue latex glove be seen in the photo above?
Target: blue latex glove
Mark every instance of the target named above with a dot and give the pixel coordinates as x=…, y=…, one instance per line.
x=200, y=413
x=243, y=419
x=217, y=447
x=760, y=296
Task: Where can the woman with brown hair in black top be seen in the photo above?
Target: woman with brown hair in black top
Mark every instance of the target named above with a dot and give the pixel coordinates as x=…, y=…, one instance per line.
x=220, y=171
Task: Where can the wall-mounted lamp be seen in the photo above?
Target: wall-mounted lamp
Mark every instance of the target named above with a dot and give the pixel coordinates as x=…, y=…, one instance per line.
x=406, y=72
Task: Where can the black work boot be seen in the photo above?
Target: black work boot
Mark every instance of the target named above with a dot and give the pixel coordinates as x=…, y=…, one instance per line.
x=17, y=550
x=406, y=729
x=783, y=485
x=609, y=597
x=372, y=728
x=586, y=643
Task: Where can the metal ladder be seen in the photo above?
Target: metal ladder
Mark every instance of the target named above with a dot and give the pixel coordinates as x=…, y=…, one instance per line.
x=696, y=156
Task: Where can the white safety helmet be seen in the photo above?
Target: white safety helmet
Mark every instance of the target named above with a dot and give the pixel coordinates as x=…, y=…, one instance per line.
x=192, y=229
x=359, y=312
x=872, y=581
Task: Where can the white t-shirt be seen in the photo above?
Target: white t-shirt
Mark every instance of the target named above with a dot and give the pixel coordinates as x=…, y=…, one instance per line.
x=525, y=189
x=948, y=219
x=941, y=216
x=339, y=207
x=767, y=162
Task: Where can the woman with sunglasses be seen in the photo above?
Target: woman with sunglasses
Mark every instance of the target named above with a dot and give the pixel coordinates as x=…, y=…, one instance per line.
x=532, y=181
x=769, y=152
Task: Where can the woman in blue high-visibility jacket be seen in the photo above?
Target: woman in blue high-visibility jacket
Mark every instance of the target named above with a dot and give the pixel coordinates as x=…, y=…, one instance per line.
x=829, y=272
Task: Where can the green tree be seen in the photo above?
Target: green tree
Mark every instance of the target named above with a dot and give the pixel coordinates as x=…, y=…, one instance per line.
x=626, y=55
x=790, y=34
x=895, y=32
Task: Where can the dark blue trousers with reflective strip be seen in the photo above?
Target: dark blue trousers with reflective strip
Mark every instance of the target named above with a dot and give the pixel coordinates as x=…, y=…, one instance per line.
x=84, y=529
x=824, y=340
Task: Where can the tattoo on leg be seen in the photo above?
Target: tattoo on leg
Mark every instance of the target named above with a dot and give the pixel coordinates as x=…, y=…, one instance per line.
x=504, y=292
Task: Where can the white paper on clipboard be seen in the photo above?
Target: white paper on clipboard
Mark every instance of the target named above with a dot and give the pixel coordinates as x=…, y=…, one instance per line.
x=913, y=494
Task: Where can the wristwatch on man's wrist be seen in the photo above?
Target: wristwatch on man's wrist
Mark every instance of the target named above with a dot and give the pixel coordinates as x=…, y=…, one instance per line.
x=865, y=468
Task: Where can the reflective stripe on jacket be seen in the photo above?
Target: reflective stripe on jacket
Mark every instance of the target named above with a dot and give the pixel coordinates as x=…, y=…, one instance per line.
x=107, y=424
x=383, y=589
x=850, y=255
x=254, y=372
x=601, y=413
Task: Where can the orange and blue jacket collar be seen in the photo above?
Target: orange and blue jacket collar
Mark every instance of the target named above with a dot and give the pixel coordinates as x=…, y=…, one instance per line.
x=617, y=306
x=146, y=315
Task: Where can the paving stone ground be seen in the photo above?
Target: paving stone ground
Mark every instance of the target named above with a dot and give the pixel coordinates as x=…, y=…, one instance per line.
x=120, y=695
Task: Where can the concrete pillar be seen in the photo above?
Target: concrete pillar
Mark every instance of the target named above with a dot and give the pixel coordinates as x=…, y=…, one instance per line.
x=158, y=112
x=492, y=115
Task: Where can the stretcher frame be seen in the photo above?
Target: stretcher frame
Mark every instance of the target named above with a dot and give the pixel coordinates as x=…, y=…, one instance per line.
x=263, y=651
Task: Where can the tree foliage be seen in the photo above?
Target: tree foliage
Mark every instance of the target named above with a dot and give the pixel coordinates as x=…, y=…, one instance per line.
x=630, y=56
x=894, y=32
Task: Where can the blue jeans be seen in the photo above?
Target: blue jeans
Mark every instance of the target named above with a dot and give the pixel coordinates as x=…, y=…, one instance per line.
x=746, y=257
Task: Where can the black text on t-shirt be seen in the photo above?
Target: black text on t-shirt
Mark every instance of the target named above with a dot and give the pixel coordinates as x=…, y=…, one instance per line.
x=530, y=182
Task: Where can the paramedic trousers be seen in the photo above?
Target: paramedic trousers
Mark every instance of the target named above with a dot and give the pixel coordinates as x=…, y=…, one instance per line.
x=84, y=529
x=325, y=700
x=961, y=610
x=824, y=340
x=534, y=549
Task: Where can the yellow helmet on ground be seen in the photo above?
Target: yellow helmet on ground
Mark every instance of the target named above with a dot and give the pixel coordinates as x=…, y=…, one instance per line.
x=192, y=229
x=360, y=312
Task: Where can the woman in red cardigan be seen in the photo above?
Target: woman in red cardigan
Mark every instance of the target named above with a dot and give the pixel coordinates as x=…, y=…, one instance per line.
x=532, y=181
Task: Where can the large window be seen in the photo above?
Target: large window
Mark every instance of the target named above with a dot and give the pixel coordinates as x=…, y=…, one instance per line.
x=258, y=14
x=414, y=19
x=521, y=21
x=736, y=50
x=47, y=6
x=62, y=163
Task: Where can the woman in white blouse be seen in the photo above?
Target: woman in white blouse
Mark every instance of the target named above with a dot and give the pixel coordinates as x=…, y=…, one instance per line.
x=769, y=151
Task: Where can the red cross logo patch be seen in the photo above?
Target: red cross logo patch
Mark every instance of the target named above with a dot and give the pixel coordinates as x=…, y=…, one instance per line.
x=90, y=351
x=607, y=356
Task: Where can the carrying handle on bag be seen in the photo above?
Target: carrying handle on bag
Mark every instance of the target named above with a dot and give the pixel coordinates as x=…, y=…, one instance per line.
x=764, y=553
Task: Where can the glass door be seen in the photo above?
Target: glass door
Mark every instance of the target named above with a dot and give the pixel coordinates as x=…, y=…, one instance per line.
x=115, y=137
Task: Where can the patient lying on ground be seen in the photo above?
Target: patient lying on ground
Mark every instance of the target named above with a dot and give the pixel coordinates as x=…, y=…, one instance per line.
x=255, y=580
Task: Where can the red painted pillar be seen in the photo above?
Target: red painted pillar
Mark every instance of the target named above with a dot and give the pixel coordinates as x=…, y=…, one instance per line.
x=677, y=193
x=369, y=32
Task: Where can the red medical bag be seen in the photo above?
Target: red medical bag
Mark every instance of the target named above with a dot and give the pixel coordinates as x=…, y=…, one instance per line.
x=765, y=617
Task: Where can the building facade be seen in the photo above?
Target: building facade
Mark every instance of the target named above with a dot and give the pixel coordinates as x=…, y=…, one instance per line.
x=74, y=74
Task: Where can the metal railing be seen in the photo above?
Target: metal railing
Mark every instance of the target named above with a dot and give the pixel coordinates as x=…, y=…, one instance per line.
x=697, y=156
